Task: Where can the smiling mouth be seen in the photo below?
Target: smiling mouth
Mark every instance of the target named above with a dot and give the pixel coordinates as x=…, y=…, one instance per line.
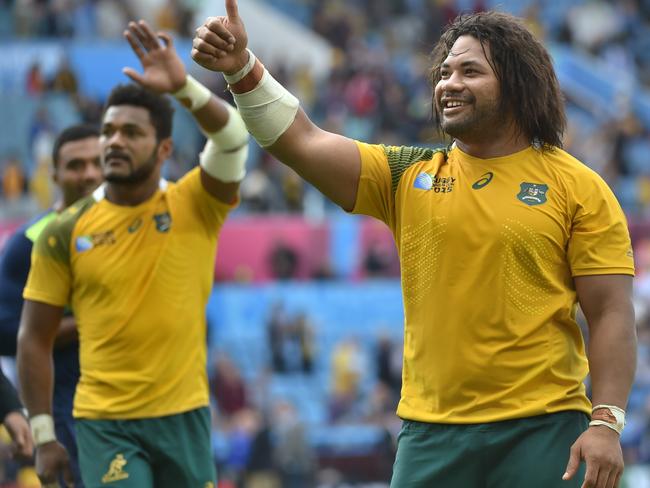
x=453, y=106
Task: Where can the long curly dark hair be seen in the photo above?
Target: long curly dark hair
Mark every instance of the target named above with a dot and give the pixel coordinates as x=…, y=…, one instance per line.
x=529, y=88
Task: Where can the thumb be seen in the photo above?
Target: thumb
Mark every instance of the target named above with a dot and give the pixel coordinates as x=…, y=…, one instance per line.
x=231, y=10
x=22, y=444
x=573, y=464
x=134, y=75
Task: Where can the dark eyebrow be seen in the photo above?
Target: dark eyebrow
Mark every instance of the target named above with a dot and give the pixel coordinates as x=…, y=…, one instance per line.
x=464, y=64
x=74, y=161
x=128, y=125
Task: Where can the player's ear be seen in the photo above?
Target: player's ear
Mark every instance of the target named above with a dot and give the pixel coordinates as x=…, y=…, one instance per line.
x=54, y=173
x=165, y=148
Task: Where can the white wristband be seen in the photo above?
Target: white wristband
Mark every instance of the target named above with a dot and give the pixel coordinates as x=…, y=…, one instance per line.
x=239, y=75
x=42, y=427
x=618, y=414
x=197, y=94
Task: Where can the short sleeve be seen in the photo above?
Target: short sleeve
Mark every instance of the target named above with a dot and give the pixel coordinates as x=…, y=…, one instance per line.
x=212, y=211
x=374, y=195
x=600, y=240
x=50, y=277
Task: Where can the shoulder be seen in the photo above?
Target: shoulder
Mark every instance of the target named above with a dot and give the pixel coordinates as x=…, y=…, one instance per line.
x=398, y=159
x=54, y=238
x=400, y=155
x=568, y=166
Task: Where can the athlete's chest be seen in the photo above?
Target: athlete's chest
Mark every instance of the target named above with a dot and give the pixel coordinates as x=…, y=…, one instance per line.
x=484, y=203
x=111, y=244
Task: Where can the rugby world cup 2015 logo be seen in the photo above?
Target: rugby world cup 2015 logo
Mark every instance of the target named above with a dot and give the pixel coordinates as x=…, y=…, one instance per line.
x=423, y=182
x=533, y=193
x=437, y=184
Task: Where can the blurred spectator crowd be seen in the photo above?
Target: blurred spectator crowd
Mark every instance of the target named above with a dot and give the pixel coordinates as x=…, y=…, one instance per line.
x=377, y=90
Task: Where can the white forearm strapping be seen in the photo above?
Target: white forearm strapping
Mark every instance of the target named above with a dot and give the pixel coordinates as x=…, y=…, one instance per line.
x=224, y=155
x=268, y=110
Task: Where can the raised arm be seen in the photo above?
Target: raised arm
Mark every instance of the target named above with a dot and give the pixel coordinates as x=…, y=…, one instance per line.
x=38, y=328
x=330, y=162
x=606, y=301
x=223, y=158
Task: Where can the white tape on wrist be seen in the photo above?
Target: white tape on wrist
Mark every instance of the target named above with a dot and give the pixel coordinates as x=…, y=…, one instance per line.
x=618, y=414
x=239, y=75
x=42, y=427
x=268, y=110
x=224, y=155
x=197, y=94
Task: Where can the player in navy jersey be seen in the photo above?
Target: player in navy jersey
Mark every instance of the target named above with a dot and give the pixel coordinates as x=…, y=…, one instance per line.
x=76, y=171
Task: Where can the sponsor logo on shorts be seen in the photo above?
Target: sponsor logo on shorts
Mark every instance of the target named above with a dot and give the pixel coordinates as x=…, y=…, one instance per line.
x=116, y=470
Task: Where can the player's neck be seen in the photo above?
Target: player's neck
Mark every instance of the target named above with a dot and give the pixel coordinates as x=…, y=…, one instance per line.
x=506, y=143
x=131, y=195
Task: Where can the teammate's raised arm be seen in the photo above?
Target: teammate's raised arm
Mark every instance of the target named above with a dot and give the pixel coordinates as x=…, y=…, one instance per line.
x=224, y=155
x=331, y=162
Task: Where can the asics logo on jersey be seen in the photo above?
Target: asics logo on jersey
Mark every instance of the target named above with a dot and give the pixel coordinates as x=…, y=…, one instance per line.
x=135, y=225
x=483, y=181
x=424, y=181
x=533, y=193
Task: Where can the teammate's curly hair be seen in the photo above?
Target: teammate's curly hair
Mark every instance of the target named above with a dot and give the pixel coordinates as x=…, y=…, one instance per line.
x=529, y=88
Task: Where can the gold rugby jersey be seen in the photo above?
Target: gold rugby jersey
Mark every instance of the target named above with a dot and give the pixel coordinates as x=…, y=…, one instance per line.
x=488, y=251
x=138, y=279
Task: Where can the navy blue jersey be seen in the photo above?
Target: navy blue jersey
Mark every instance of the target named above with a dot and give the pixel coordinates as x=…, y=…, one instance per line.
x=14, y=268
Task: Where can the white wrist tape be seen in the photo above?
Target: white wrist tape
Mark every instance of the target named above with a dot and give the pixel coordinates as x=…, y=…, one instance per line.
x=617, y=412
x=235, y=77
x=224, y=155
x=42, y=427
x=197, y=94
x=268, y=110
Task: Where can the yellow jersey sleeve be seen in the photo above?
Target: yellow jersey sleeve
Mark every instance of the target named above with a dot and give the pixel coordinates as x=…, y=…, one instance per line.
x=211, y=211
x=600, y=241
x=49, y=279
x=382, y=168
x=374, y=196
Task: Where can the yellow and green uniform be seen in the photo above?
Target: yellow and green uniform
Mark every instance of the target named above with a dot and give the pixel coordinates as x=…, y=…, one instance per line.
x=488, y=251
x=138, y=279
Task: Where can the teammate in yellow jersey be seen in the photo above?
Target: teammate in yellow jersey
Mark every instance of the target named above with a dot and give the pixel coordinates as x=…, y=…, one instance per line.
x=135, y=263
x=500, y=237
